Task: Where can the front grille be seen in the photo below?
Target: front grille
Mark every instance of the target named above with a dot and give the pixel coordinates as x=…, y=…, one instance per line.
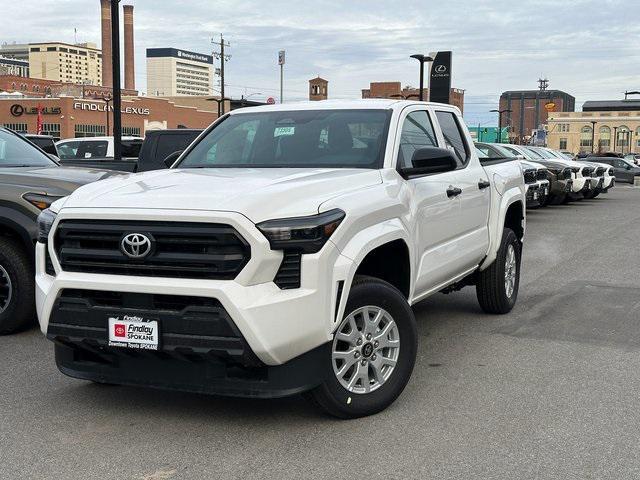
x=600, y=171
x=586, y=172
x=529, y=176
x=566, y=174
x=541, y=174
x=196, y=327
x=288, y=275
x=179, y=250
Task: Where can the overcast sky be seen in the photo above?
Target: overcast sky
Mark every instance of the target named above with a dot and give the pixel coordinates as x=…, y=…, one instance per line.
x=588, y=48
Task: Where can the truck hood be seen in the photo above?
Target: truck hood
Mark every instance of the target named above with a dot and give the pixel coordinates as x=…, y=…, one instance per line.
x=259, y=194
x=63, y=178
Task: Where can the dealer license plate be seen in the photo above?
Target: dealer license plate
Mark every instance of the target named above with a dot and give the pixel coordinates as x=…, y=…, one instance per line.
x=129, y=331
x=535, y=195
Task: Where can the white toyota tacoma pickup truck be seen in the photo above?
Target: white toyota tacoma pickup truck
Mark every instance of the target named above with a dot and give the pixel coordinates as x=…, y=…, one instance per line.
x=281, y=254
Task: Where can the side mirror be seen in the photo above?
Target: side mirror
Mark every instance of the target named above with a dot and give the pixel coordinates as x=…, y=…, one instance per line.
x=171, y=158
x=430, y=160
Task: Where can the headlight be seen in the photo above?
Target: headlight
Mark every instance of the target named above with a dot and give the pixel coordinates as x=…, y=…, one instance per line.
x=45, y=221
x=40, y=200
x=307, y=234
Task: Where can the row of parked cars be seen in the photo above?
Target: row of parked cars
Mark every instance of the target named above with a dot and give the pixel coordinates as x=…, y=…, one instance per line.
x=554, y=178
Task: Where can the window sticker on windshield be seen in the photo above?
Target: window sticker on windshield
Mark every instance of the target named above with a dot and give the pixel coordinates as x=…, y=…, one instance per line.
x=281, y=131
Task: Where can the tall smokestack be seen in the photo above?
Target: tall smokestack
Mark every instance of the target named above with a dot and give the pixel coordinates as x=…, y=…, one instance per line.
x=107, y=61
x=129, y=60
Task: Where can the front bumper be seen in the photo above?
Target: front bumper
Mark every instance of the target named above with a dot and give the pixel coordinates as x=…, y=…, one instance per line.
x=211, y=376
x=537, y=193
x=276, y=325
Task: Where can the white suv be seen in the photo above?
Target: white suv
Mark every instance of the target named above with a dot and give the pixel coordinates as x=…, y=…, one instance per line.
x=281, y=254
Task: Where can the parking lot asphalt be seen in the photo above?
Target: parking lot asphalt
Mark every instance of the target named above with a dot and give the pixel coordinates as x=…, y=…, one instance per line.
x=551, y=390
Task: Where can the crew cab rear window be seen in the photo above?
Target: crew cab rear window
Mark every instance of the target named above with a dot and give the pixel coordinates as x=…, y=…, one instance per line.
x=453, y=136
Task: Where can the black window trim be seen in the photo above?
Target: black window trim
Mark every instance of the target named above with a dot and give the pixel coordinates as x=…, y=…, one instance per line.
x=468, y=151
x=431, y=117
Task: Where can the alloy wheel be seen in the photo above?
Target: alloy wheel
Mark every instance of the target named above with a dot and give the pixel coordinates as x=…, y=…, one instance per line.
x=6, y=290
x=510, y=268
x=365, y=349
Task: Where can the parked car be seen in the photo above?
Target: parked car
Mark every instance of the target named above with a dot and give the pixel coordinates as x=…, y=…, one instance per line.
x=623, y=169
x=535, y=175
x=559, y=174
x=633, y=158
x=98, y=152
x=604, y=176
x=159, y=150
x=29, y=182
x=281, y=254
x=536, y=178
x=46, y=143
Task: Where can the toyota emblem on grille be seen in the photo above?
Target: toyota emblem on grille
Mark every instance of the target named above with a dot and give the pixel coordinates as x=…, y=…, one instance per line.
x=135, y=245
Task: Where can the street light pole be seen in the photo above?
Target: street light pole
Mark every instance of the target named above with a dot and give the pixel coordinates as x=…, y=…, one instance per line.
x=593, y=135
x=615, y=139
x=500, y=112
x=422, y=59
x=117, y=98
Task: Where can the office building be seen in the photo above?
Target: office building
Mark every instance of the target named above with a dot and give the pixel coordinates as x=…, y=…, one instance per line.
x=172, y=72
x=64, y=62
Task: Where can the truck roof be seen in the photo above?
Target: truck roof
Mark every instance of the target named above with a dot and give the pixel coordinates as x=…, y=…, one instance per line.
x=369, y=103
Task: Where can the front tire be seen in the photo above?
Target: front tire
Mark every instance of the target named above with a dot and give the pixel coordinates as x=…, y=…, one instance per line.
x=497, y=286
x=373, y=352
x=17, y=289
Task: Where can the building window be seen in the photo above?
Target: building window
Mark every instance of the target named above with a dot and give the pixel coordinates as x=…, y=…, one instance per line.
x=131, y=131
x=17, y=127
x=90, y=131
x=52, y=129
x=563, y=144
x=585, y=136
x=623, y=136
x=563, y=127
x=605, y=138
x=638, y=137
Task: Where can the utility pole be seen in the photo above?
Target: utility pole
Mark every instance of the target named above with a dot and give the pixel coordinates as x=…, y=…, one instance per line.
x=223, y=58
x=117, y=98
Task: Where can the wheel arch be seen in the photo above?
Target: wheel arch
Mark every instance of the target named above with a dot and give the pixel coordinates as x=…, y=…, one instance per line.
x=511, y=214
x=367, y=248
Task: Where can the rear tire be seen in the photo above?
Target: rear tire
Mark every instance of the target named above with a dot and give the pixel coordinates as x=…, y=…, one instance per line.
x=17, y=288
x=368, y=368
x=497, y=286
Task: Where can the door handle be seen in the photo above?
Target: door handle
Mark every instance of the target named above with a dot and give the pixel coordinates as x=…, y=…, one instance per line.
x=453, y=191
x=482, y=184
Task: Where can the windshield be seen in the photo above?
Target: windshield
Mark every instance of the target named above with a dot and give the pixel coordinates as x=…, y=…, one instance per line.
x=15, y=151
x=297, y=139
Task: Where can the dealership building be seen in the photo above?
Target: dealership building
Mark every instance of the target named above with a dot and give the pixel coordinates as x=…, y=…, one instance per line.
x=69, y=117
x=172, y=72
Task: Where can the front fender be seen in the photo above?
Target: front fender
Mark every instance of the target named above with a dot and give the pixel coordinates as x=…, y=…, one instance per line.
x=360, y=245
x=497, y=220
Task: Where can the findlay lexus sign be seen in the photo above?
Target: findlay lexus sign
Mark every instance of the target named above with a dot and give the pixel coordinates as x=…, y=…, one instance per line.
x=97, y=107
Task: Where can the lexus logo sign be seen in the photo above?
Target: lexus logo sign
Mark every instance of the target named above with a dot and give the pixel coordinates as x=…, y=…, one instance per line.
x=135, y=245
x=17, y=110
x=441, y=68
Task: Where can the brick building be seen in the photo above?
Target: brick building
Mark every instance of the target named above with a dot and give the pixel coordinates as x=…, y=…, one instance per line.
x=395, y=90
x=35, y=87
x=530, y=110
x=318, y=89
x=68, y=117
